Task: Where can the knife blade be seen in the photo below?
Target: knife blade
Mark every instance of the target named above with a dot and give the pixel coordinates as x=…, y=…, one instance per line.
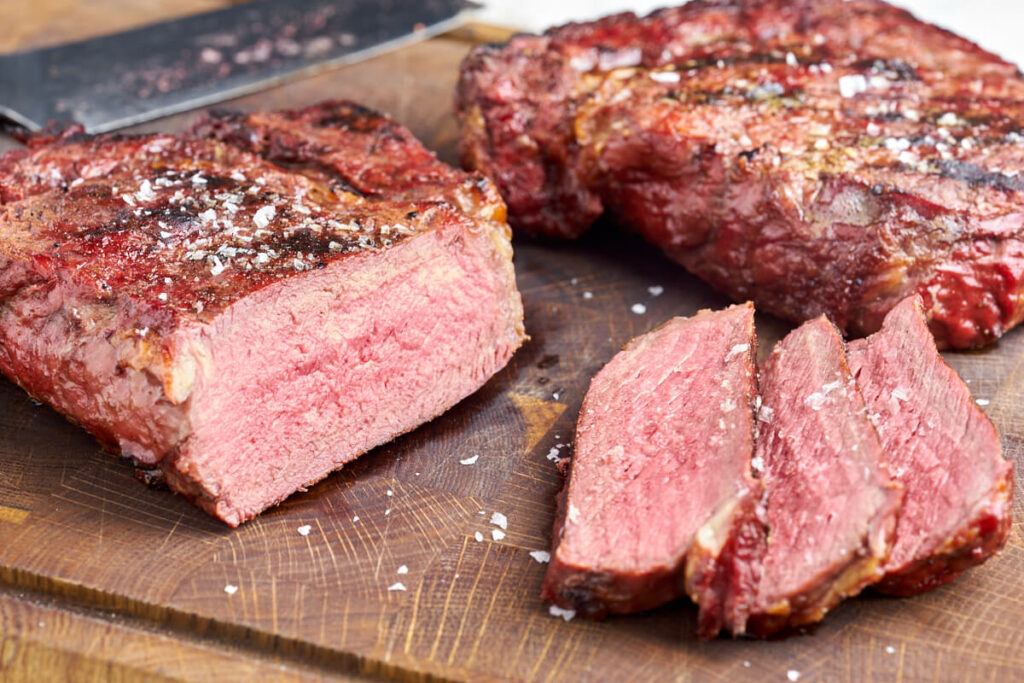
x=119, y=80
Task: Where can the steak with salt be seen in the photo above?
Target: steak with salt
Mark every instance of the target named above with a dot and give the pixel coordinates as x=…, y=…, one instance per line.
x=957, y=509
x=241, y=327
x=831, y=505
x=817, y=156
x=660, y=501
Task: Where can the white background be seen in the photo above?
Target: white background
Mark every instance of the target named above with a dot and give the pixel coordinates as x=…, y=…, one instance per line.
x=997, y=25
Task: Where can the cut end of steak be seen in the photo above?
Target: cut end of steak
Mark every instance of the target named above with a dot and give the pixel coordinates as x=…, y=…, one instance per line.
x=831, y=505
x=243, y=327
x=941, y=447
x=661, y=474
x=747, y=138
x=723, y=568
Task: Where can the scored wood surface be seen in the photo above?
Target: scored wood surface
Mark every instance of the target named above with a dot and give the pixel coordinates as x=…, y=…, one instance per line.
x=107, y=579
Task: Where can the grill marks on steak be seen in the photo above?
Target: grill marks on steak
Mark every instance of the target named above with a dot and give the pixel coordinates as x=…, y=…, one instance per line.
x=661, y=484
x=759, y=191
x=355, y=149
x=831, y=505
x=943, y=450
x=748, y=139
x=245, y=328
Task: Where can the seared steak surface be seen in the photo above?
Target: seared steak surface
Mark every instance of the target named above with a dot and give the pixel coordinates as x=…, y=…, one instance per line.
x=818, y=157
x=243, y=326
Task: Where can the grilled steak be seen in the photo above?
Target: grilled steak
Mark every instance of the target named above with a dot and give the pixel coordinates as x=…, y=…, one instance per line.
x=943, y=449
x=243, y=327
x=660, y=501
x=831, y=506
x=818, y=156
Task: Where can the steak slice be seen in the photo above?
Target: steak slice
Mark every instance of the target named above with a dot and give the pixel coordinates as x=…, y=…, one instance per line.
x=941, y=447
x=831, y=506
x=660, y=500
x=751, y=139
x=245, y=328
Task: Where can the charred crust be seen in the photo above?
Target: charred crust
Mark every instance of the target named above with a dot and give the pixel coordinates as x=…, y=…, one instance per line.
x=749, y=154
x=976, y=176
x=894, y=68
x=350, y=116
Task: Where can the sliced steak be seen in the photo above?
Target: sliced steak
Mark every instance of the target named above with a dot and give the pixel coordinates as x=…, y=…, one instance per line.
x=943, y=449
x=660, y=500
x=749, y=139
x=831, y=505
x=245, y=328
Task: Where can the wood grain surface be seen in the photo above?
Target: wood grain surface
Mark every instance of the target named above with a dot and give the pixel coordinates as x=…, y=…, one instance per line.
x=102, y=578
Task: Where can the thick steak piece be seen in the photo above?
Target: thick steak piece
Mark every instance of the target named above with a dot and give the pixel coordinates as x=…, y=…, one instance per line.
x=242, y=327
x=831, y=505
x=944, y=450
x=820, y=157
x=660, y=501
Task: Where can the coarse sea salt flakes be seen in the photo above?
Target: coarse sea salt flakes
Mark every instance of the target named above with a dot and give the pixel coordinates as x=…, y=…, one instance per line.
x=262, y=218
x=639, y=309
x=230, y=590
x=665, y=76
x=497, y=534
x=304, y=530
x=397, y=586
x=981, y=401
x=217, y=268
x=470, y=460
x=656, y=290
x=890, y=649
x=793, y=674
x=499, y=520
x=852, y=84
x=588, y=295
x=897, y=144
x=542, y=556
x=145, y=193
x=479, y=537
x=566, y=614
x=404, y=569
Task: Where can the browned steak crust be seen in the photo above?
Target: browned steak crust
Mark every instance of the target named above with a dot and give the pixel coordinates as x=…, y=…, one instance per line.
x=247, y=320
x=819, y=157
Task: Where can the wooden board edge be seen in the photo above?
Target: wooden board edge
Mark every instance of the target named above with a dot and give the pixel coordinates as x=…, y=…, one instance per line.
x=42, y=642
x=478, y=33
x=51, y=635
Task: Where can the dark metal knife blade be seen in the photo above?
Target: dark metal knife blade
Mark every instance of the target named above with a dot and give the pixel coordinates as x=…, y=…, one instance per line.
x=119, y=80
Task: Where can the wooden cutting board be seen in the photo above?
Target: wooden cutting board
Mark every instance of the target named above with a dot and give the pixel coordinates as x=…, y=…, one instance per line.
x=102, y=578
